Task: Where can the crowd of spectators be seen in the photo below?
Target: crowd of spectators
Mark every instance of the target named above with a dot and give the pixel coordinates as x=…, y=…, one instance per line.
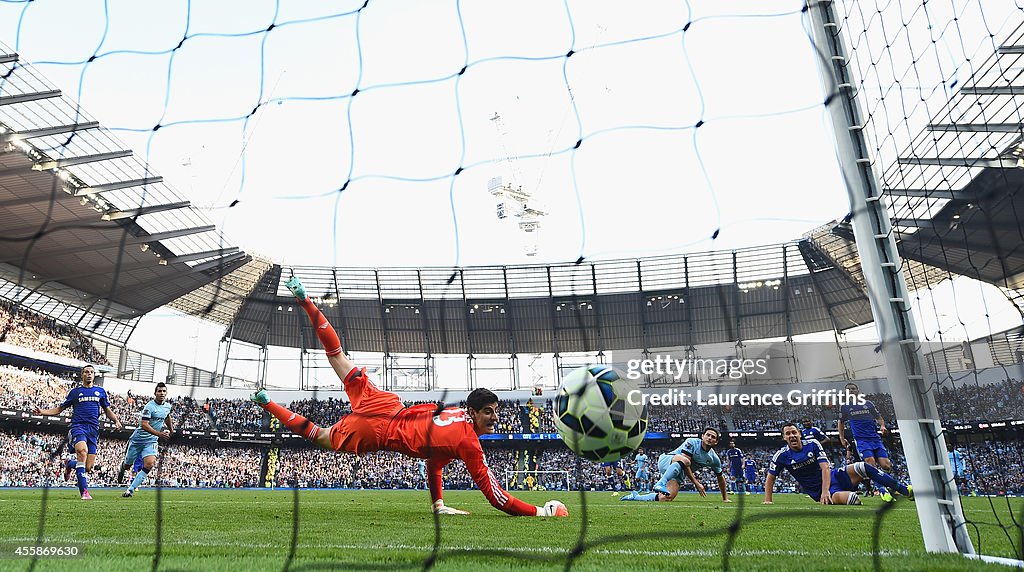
x=29, y=330
x=34, y=459
x=685, y=418
x=968, y=402
x=25, y=389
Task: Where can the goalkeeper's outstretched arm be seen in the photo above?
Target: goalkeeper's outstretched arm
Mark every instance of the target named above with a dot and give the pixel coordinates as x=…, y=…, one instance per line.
x=473, y=456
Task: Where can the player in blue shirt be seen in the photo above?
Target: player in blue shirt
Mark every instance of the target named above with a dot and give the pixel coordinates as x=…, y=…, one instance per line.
x=693, y=453
x=422, y=466
x=618, y=472
x=749, y=475
x=86, y=402
x=642, y=474
x=156, y=424
x=807, y=462
x=863, y=418
x=811, y=432
x=734, y=456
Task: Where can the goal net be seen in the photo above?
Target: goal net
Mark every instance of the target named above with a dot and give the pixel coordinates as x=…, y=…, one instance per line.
x=537, y=480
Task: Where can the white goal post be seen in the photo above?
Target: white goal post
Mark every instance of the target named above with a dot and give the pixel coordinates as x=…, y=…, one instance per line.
x=545, y=480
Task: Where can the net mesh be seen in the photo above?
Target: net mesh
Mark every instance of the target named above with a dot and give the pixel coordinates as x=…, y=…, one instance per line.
x=372, y=117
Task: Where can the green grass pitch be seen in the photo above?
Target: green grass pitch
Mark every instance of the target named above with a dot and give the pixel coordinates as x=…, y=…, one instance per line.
x=252, y=530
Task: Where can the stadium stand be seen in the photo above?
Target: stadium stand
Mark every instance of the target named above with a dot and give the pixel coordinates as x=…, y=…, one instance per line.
x=29, y=330
x=31, y=462
x=23, y=389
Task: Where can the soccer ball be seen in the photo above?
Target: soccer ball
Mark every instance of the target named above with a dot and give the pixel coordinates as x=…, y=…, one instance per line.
x=594, y=416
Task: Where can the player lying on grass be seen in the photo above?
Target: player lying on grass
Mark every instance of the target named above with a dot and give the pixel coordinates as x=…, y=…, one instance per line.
x=380, y=422
x=692, y=453
x=805, y=459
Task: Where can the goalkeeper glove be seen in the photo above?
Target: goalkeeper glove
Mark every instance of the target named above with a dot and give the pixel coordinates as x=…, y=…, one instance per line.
x=552, y=508
x=439, y=508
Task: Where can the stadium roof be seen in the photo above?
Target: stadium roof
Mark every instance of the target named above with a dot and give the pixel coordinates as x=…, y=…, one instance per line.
x=954, y=192
x=87, y=224
x=755, y=293
x=80, y=213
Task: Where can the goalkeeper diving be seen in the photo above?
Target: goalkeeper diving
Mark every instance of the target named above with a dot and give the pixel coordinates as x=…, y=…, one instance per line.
x=380, y=422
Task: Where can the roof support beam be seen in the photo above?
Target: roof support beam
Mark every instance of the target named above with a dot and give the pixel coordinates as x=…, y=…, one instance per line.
x=71, y=161
x=998, y=163
x=994, y=90
x=1004, y=50
x=931, y=224
x=158, y=236
x=142, y=211
x=931, y=194
x=24, y=97
x=96, y=189
x=8, y=58
x=205, y=254
x=977, y=127
x=55, y=130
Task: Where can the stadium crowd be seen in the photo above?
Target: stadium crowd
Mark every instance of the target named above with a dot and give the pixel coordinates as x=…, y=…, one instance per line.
x=24, y=389
x=32, y=331
x=34, y=459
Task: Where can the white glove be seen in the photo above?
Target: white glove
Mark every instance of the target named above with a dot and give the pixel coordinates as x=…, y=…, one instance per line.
x=439, y=508
x=553, y=508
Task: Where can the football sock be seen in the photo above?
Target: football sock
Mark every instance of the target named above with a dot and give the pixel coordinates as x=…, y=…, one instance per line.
x=137, y=481
x=635, y=496
x=883, y=480
x=293, y=421
x=671, y=473
x=83, y=482
x=324, y=330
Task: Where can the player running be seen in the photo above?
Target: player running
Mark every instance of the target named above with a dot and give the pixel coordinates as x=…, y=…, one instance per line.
x=862, y=418
x=379, y=421
x=156, y=424
x=86, y=402
x=734, y=455
x=806, y=461
x=693, y=453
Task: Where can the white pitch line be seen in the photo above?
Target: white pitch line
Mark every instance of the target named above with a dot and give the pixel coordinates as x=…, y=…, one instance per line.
x=463, y=548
